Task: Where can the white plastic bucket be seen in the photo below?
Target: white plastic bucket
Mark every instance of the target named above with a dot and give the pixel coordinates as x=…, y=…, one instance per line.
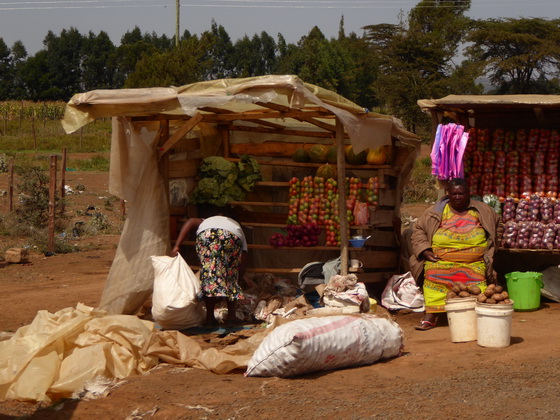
x=493, y=325
x=462, y=319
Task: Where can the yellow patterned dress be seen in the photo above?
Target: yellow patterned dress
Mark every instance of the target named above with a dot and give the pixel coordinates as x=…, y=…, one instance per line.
x=460, y=242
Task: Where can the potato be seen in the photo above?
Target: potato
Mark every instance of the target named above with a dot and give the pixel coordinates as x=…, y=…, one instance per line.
x=464, y=294
x=456, y=289
x=502, y=302
x=498, y=289
x=462, y=286
x=489, y=292
x=497, y=297
x=481, y=298
x=451, y=295
x=490, y=300
x=508, y=301
x=474, y=290
x=505, y=294
x=491, y=286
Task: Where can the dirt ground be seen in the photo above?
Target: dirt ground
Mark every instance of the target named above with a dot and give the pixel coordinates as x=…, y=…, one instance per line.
x=434, y=378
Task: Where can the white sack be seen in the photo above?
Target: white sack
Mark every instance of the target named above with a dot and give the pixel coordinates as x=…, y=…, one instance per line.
x=401, y=292
x=324, y=343
x=174, y=302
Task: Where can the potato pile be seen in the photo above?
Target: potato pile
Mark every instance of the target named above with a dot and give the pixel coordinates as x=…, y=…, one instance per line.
x=493, y=294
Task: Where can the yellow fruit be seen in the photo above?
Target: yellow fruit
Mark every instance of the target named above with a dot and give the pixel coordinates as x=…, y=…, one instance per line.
x=376, y=156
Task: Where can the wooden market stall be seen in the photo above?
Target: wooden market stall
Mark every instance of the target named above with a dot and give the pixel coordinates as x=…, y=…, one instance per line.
x=513, y=151
x=161, y=136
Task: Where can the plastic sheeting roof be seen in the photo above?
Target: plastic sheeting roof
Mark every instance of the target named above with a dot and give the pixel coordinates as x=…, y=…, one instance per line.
x=480, y=101
x=274, y=103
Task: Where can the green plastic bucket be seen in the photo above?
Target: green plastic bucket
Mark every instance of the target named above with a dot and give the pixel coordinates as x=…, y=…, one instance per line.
x=524, y=289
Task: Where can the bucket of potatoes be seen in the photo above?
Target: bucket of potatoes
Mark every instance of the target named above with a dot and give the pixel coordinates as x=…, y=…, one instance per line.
x=493, y=295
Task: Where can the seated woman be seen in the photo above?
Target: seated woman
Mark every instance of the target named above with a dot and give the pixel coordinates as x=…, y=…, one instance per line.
x=453, y=241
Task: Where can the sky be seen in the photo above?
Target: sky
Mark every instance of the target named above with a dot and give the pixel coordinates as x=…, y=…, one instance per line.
x=30, y=20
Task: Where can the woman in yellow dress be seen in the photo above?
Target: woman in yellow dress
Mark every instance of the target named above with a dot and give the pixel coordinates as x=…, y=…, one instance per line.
x=453, y=241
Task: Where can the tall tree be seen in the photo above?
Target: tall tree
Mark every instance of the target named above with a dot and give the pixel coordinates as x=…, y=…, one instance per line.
x=6, y=71
x=220, y=53
x=416, y=57
x=97, y=66
x=179, y=66
x=64, y=61
x=19, y=57
x=518, y=55
x=254, y=57
x=134, y=46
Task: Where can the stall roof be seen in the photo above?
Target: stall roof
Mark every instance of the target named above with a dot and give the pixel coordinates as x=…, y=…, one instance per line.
x=514, y=111
x=267, y=104
x=489, y=101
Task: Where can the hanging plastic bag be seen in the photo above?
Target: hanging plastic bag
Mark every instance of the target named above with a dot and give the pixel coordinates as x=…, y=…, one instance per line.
x=174, y=302
x=401, y=292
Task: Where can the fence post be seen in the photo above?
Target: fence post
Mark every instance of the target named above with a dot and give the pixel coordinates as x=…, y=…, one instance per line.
x=62, y=180
x=52, y=198
x=11, y=184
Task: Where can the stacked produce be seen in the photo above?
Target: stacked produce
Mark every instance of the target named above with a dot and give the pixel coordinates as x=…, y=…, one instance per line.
x=492, y=295
x=532, y=222
x=315, y=200
x=298, y=235
x=510, y=163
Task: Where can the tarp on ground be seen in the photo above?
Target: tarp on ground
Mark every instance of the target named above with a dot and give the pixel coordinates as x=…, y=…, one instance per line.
x=58, y=353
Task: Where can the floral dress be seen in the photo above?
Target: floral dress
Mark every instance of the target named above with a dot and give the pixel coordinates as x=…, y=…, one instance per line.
x=219, y=252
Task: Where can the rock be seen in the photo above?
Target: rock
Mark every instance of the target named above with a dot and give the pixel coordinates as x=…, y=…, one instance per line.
x=16, y=255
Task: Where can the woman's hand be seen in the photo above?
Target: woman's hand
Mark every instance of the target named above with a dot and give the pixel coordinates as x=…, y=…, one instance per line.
x=174, y=252
x=429, y=255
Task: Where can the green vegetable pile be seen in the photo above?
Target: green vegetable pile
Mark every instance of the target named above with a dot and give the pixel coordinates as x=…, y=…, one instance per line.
x=222, y=181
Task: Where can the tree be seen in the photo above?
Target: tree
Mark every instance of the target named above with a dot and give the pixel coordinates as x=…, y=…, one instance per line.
x=315, y=60
x=417, y=57
x=254, y=57
x=97, y=66
x=179, y=66
x=6, y=71
x=19, y=57
x=220, y=53
x=64, y=61
x=517, y=55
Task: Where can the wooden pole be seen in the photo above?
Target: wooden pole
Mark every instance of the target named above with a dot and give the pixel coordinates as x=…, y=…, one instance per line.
x=341, y=181
x=63, y=179
x=177, y=18
x=11, y=184
x=52, y=198
x=123, y=208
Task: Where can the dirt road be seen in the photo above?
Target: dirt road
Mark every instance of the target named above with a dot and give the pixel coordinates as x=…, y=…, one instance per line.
x=435, y=378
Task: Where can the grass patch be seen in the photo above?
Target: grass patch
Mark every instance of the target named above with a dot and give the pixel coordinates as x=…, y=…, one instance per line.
x=98, y=163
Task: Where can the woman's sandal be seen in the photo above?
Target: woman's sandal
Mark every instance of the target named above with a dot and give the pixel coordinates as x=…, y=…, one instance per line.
x=426, y=325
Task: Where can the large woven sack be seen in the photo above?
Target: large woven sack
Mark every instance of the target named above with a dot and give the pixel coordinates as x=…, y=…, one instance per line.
x=325, y=343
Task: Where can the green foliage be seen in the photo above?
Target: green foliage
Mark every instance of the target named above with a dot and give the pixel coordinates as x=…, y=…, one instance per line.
x=416, y=58
x=518, y=55
x=98, y=163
